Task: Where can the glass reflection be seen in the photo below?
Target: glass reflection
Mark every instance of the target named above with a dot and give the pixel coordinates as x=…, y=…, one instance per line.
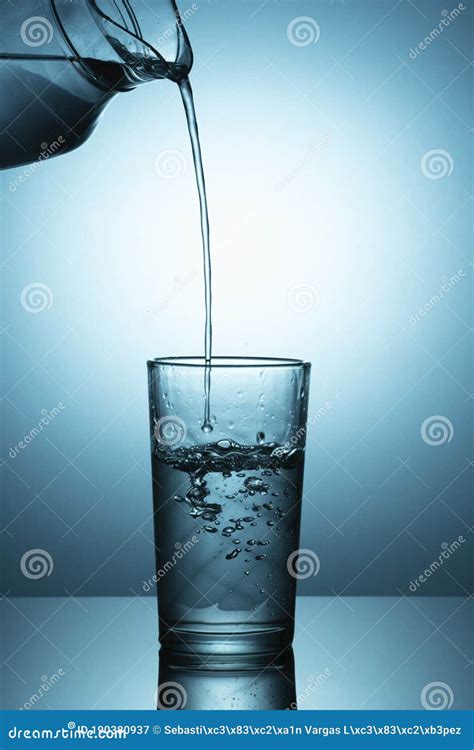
x=259, y=682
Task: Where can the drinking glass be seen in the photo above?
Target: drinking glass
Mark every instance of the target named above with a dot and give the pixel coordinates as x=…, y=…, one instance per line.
x=227, y=502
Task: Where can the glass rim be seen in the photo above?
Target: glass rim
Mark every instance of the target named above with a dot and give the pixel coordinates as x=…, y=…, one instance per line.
x=230, y=362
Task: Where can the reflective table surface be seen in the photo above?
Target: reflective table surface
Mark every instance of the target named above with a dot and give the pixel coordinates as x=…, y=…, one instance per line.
x=349, y=653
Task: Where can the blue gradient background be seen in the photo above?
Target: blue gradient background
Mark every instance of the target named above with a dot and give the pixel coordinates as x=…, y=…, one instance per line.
x=358, y=221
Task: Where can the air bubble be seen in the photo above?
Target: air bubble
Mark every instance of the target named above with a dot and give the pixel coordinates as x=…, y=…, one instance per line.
x=255, y=484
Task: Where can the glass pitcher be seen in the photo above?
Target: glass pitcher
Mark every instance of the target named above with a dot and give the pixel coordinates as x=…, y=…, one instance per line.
x=61, y=62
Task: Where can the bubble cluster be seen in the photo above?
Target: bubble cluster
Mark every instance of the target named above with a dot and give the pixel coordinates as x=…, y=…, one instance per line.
x=239, y=474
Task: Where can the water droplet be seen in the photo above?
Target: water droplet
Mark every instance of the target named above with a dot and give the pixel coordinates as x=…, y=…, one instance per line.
x=233, y=554
x=260, y=557
x=208, y=516
x=235, y=541
x=178, y=499
x=207, y=427
x=247, y=573
x=260, y=438
x=270, y=523
x=210, y=529
x=247, y=519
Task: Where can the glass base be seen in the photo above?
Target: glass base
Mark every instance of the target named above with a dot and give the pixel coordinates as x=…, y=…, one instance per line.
x=219, y=641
